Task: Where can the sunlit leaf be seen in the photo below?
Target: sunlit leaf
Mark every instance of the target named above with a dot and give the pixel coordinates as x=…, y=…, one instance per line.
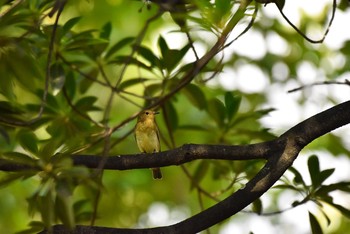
x=131, y=82
x=34, y=227
x=57, y=78
x=325, y=215
x=344, y=211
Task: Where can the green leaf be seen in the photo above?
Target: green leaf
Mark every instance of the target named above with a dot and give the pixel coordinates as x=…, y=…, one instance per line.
x=280, y=4
x=28, y=140
x=152, y=91
x=172, y=57
x=70, y=24
x=216, y=110
x=44, y=203
x=148, y=55
x=257, y=206
x=6, y=85
x=19, y=158
x=315, y=226
x=129, y=61
x=86, y=103
x=199, y=173
x=64, y=204
x=15, y=177
x=49, y=149
x=314, y=170
x=341, y=209
x=171, y=115
x=232, y=103
x=195, y=95
x=132, y=82
x=223, y=7
x=119, y=45
x=4, y=134
x=106, y=31
x=34, y=227
x=326, y=217
x=342, y=186
x=298, y=179
x=163, y=46
x=325, y=174
x=75, y=172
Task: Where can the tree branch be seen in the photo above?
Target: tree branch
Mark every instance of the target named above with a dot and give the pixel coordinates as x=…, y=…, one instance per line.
x=280, y=153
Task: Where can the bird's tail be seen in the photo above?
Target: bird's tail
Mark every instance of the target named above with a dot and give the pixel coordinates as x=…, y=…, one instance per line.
x=157, y=173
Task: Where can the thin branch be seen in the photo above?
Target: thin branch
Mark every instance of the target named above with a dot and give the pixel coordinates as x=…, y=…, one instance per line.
x=75, y=109
x=197, y=186
x=251, y=23
x=12, y=6
x=334, y=7
x=346, y=82
x=48, y=63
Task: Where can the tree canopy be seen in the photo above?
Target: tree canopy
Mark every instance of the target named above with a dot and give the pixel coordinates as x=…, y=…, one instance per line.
x=244, y=90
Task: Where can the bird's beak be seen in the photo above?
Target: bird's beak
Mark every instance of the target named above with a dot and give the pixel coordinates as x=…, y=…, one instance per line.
x=156, y=112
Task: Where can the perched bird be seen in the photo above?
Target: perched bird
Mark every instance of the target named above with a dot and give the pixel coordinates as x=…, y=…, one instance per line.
x=147, y=136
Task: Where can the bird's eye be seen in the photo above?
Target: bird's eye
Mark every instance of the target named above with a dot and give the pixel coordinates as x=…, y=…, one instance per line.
x=147, y=112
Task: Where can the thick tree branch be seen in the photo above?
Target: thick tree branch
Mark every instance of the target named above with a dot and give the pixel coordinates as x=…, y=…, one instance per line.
x=285, y=150
x=178, y=156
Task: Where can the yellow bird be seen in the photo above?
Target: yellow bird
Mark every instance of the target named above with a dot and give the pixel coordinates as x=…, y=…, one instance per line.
x=147, y=136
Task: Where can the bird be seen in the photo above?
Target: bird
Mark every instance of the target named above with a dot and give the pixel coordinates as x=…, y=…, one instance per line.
x=147, y=136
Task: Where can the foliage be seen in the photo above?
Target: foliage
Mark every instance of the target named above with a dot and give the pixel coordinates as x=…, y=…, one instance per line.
x=75, y=87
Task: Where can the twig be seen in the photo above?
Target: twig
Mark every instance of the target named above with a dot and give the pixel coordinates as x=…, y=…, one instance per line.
x=303, y=34
x=13, y=5
x=74, y=108
x=346, y=82
x=246, y=28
